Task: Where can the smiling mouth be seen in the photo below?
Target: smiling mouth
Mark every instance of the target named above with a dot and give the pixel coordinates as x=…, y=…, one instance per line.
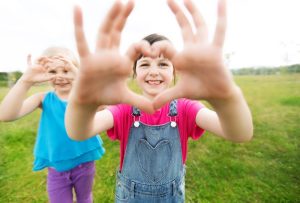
x=154, y=82
x=62, y=84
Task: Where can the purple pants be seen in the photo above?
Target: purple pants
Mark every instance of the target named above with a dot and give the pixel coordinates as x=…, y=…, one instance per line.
x=60, y=184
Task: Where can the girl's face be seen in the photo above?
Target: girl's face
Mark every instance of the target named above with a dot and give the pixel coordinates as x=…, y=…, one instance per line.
x=154, y=75
x=64, y=77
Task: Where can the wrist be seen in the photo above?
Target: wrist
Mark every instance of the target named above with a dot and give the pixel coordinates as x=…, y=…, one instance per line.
x=25, y=81
x=233, y=97
x=81, y=101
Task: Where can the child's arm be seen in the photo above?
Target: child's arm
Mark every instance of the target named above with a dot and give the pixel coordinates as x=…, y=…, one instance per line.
x=203, y=75
x=14, y=104
x=102, y=78
x=232, y=119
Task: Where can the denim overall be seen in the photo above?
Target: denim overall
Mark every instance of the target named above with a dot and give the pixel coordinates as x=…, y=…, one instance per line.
x=152, y=167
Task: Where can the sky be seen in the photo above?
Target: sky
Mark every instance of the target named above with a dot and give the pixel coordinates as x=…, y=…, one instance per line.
x=259, y=32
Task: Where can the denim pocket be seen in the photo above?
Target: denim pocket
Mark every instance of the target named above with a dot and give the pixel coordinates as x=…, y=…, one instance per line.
x=122, y=193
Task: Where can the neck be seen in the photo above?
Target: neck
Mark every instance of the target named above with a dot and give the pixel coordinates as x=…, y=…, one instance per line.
x=64, y=95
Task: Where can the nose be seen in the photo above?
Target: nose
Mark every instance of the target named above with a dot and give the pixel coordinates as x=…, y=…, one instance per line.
x=59, y=76
x=154, y=70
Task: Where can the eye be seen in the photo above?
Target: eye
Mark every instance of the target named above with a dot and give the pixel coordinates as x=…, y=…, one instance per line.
x=65, y=71
x=163, y=65
x=144, y=65
x=52, y=72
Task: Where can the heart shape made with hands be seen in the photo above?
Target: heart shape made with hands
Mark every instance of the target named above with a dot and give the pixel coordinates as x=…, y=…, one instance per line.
x=159, y=51
x=103, y=76
x=203, y=74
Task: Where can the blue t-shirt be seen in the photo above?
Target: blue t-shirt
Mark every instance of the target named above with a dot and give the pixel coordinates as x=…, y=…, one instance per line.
x=53, y=147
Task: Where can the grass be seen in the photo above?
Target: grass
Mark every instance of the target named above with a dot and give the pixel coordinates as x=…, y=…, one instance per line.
x=263, y=170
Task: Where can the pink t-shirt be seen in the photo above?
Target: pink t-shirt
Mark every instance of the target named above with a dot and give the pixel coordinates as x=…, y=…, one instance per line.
x=186, y=122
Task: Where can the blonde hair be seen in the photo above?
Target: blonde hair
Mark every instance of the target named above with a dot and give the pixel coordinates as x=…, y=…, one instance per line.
x=61, y=51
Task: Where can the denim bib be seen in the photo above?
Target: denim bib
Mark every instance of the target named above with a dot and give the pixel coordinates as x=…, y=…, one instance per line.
x=152, y=167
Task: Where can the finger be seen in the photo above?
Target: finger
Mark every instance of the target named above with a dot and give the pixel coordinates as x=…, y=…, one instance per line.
x=82, y=46
x=69, y=65
x=42, y=60
x=73, y=69
x=48, y=78
x=164, y=48
x=120, y=23
x=69, y=77
x=104, y=33
x=29, y=62
x=220, y=31
x=138, y=101
x=45, y=78
x=167, y=96
x=139, y=49
x=202, y=32
x=186, y=28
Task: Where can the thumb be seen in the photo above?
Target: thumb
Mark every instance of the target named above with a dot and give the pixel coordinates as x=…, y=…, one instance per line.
x=139, y=101
x=164, y=48
x=50, y=78
x=167, y=96
x=29, y=62
x=138, y=49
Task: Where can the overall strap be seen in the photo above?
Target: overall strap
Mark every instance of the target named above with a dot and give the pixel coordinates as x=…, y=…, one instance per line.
x=136, y=111
x=173, y=108
x=172, y=111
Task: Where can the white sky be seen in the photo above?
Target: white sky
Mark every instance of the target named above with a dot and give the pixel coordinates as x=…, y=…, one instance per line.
x=260, y=32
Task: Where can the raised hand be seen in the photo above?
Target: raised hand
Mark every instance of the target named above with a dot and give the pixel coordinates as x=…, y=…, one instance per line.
x=36, y=73
x=103, y=74
x=203, y=74
x=54, y=62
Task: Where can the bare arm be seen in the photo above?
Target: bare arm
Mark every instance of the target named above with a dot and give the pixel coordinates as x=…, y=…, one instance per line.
x=83, y=121
x=232, y=119
x=15, y=106
x=204, y=76
x=102, y=77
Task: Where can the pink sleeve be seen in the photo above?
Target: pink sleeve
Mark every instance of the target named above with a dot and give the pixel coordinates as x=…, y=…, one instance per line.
x=121, y=121
x=191, y=108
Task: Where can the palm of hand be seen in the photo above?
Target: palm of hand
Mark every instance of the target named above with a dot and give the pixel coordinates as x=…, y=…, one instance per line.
x=105, y=71
x=202, y=68
x=35, y=73
x=103, y=74
x=200, y=65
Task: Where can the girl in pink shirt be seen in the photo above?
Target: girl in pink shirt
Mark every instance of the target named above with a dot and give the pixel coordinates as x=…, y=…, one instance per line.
x=153, y=128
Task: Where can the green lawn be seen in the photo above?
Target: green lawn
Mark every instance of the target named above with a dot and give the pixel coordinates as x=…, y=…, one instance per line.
x=263, y=170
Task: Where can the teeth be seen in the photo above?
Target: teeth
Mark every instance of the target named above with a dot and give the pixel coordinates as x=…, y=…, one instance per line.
x=154, y=82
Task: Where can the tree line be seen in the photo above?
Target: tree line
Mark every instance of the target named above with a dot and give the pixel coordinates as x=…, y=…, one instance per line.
x=295, y=68
x=9, y=78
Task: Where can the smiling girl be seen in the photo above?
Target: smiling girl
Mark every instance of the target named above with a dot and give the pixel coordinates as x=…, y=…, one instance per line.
x=70, y=163
x=153, y=128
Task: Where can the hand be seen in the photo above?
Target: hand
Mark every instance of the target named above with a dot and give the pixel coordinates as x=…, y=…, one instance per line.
x=203, y=74
x=53, y=62
x=103, y=74
x=35, y=73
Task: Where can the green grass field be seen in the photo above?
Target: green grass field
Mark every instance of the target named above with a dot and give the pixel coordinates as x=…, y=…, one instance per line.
x=263, y=170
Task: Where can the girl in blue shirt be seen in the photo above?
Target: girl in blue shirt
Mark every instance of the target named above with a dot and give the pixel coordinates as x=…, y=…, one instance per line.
x=70, y=163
